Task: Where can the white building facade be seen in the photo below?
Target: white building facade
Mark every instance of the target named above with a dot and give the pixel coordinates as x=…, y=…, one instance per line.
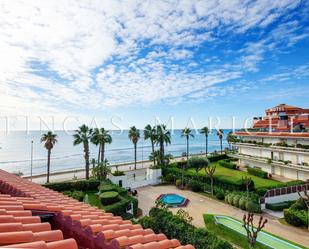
x=284, y=154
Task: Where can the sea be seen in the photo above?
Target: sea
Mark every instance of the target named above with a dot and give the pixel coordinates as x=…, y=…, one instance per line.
x=15, y=150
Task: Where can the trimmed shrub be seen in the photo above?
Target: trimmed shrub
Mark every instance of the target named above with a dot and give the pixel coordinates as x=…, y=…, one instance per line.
x=196, y=186
x=280, y=206
x=236, y=200
x=216, y=158
x=118, y=173
x=257, y=172
x=178, y=182
x=261, y=191
x=296, y=217
x=197, y=163
x=219, y=194
x=242, y=203
x=119, y=208
x=169, y=178
x=253, y=207
x=299, y=205
x=83, y=185
x=227, y=164
x=230, y=198
x=77, y=195
x=108, y=187
x=109, y=197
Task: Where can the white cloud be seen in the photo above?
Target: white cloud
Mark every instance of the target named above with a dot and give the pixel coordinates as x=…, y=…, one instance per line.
x=93, y=53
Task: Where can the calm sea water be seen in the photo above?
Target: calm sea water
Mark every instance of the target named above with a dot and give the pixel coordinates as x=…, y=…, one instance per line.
x=15, y=152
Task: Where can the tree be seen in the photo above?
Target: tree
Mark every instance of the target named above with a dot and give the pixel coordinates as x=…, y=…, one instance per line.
x=150, y=133
x=210, y=171
x=163, y=138
x=198, y=163
x=252, y=232
x=49, y=139
x=134, y=136
x=205, y=131
x=101, y=170
x=248, y=182
x=220, y=135
x=187, y=133
x=305, y=197
x=101, y=137
x=230, y=139
x=83, y=136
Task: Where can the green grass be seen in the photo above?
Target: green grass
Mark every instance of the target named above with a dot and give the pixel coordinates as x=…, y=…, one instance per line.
x=228, y=234
x=236, y=175
x=233, y=236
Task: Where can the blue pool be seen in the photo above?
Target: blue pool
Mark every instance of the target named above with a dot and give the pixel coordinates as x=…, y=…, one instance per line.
x=173, y=200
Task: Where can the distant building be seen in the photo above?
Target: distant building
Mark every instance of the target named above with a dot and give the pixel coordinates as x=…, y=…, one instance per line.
x=278, y=143
x=283, y=118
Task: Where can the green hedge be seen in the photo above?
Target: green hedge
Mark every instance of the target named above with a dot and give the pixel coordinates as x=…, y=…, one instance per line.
x=77, y=195
x=119, y=208
x=109, y=197
x=83, y=185
x=279, y=206
x=223, y=182
x=211, y=159
x=227, y=164
x=173, y=226
x=298, y=218
x=241, y=201
x=257, y=172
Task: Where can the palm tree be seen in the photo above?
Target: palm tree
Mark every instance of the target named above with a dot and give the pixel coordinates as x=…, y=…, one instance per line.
x=163, y=137
x=83, y=136
x=101, y=137
x=134, y=136
x=187, y=133
x=49, y=139
x=230, y=139
x=150, y=133
x=205, y=131
x=220, y=135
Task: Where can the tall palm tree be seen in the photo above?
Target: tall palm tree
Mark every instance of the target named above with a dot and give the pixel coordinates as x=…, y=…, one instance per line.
x=83, y=136
x=150, y=133
x=101, y=137
x=163, y=137
x=205, y=131
x=187, y=133
x=134, y=136
x=220, y=135
x=49, y=139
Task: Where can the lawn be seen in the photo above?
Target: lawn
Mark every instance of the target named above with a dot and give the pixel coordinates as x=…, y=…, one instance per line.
x=237, y=175
x=233, y=236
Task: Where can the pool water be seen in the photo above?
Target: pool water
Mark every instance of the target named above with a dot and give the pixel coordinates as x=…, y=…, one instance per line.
x=264, y=238
x=173, y=200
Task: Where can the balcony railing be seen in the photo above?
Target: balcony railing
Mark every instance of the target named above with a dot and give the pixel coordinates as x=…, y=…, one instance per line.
x=274, y=147
x=273, y=162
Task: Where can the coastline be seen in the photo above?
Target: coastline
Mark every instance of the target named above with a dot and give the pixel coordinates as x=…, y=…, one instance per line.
x=79, y=173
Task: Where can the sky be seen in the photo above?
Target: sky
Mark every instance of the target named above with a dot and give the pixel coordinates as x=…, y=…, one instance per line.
x=122, y=63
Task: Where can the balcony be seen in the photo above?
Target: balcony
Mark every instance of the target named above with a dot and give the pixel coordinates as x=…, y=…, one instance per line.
x=273, y=148
x=266, y=161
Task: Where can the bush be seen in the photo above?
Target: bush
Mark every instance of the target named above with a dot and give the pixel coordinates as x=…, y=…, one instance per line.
x=298, y=218
x=196, y=186
x=242, y=203
x=236, y=200
x=253, y=207
x=77, y=195
x=169, y=178
x=118, y=173
x=300, y=204
x=178, y=182
x=257, y=172
x=175, y=226
x=227, y=164
x=119, y=208
x=109, y=197
x=216, y=158
x=280, y=206
x=219, y=194
x=261, y=191
x=112, y=187
x=83, y=185
x=230, y=198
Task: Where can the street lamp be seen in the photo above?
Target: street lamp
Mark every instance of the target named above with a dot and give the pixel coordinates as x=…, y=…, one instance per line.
x=31, y=160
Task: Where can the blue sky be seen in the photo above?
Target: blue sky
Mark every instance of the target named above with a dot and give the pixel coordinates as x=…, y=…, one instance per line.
x=131, y=61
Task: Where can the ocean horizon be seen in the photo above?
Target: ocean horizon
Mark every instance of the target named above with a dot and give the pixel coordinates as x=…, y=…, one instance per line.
x=15, y=150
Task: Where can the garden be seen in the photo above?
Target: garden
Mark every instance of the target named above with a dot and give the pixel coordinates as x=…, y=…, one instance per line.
x=103, y=194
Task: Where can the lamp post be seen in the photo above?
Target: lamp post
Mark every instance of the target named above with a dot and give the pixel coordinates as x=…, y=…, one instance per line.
x=31, y=160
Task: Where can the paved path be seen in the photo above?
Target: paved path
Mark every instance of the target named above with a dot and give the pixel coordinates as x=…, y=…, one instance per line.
x=200, y=205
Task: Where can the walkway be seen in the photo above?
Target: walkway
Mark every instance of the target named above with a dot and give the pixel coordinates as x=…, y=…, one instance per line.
x=200, y=205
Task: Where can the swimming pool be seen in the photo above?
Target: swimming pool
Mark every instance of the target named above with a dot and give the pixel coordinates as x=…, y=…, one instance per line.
x=173, y=200
x=264, y=238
